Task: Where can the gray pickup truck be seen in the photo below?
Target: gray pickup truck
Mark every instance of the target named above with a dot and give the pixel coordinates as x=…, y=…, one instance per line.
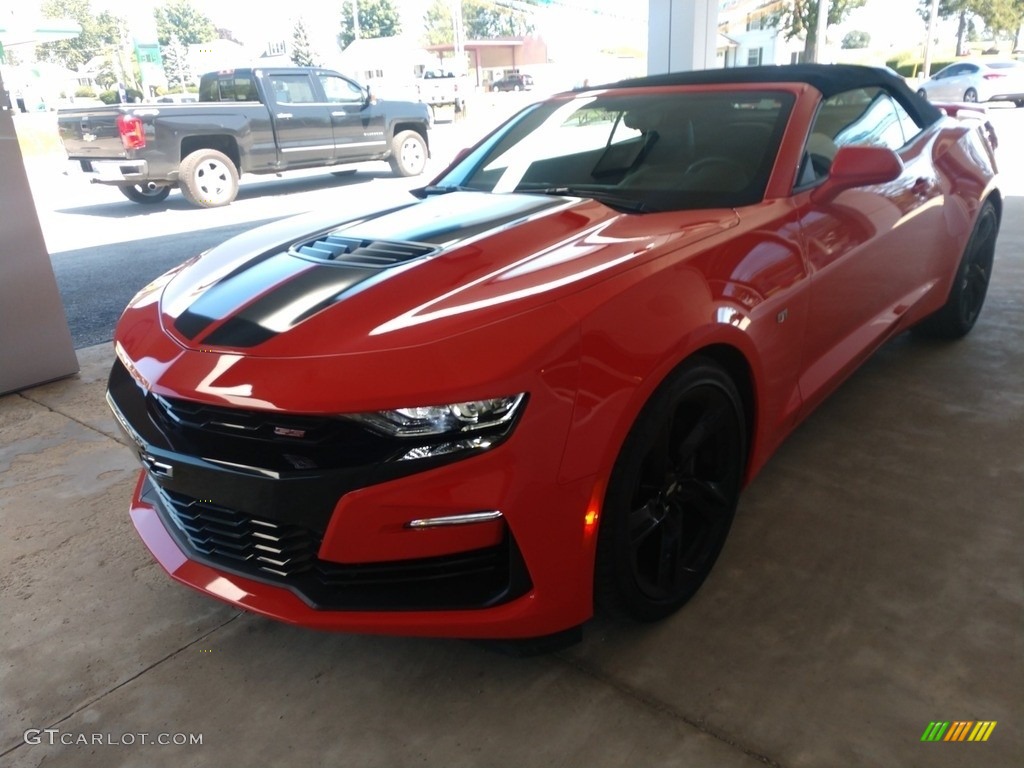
x=246, y=121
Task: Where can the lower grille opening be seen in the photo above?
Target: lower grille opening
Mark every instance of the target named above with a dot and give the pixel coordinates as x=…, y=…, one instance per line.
x=286, y=555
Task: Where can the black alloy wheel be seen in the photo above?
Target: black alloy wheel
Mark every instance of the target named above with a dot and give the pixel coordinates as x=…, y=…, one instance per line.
x=672, y=494
x=970, y=286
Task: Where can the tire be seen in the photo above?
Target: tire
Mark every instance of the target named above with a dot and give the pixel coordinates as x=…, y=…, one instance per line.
x=208, y=178
x=672, y=495
x=142, y=194
x=957, y=316
x=408, y=154
x=971, y=96
x=1019, y=103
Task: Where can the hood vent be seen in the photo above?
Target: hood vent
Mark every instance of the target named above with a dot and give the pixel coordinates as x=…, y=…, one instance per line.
x=355, y=252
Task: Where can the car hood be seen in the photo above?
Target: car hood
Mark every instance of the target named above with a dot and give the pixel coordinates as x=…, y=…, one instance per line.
x=409, y=275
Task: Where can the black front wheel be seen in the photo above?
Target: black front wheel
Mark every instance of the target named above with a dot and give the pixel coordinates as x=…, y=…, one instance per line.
x=672, y=494
x=141, y=193
x=958, y=315
x=971, y=96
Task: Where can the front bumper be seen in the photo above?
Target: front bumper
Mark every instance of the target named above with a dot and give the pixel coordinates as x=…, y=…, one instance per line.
x=333, y=548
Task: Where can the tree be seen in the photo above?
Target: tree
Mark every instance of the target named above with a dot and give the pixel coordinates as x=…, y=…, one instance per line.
x=100, y=33
x=800, y=18
x=179, y=17
x=482, y=20
x=302, y=52
x=176, y=65
x=377, y=18
x=999, y=16
x=856, y=39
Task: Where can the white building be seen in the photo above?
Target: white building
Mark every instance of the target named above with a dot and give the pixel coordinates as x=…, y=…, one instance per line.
x=747, y=37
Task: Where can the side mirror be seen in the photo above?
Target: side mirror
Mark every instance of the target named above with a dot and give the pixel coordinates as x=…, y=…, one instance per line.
x=858, y=167
x=369, y=98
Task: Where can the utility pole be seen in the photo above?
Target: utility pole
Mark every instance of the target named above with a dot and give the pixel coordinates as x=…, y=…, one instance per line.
x=933, y=15
x=819, y=35
x=355, y=19
x=458, y=35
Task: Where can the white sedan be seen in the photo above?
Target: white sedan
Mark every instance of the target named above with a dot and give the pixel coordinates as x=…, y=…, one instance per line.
x=977, y=81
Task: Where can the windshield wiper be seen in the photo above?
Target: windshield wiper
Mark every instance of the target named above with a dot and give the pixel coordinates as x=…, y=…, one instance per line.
x=435, y=189
x=617, y=202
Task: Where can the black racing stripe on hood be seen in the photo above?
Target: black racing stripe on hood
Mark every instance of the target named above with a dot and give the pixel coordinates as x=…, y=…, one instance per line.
x=235, y=290
x=280, y=310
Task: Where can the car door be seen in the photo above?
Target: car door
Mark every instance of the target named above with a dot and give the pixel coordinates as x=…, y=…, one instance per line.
x=357, y=122
x=301, y=119
x=961, y=78
x=945, y=84
x=868, y=248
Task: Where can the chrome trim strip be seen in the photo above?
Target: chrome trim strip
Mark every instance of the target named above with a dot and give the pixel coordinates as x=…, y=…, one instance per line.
x=438, y=522
x=309, y=148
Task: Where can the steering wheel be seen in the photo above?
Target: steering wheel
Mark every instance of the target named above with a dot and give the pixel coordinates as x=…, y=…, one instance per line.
x=721, y=173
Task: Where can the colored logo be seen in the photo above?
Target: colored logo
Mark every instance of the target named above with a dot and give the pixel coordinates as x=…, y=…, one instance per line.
x=959, y=730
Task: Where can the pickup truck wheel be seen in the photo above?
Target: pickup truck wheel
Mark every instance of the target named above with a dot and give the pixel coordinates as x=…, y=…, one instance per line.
x=140, y=193
x=208, y=178
x=408, y=154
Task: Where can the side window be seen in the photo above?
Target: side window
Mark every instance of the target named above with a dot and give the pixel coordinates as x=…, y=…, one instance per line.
x=340, y=90
x=866, y=116
x=292, y=89
x=910, y=127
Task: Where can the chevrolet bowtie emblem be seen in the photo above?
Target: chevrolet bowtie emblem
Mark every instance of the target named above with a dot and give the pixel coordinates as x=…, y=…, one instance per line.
x=155, y=466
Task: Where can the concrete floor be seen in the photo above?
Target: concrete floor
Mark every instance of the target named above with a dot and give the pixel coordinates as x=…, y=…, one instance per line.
x=872, y=584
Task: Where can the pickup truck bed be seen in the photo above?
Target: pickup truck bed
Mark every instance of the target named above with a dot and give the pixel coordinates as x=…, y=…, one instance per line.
x=247, y=121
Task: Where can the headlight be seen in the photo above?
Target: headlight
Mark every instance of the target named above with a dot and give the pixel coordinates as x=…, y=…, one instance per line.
x=442, y=430
x=454, y=419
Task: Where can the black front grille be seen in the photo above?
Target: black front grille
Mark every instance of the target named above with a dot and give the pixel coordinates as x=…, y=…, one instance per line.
x=287, y=555
x=277, y=441
x=273, y=548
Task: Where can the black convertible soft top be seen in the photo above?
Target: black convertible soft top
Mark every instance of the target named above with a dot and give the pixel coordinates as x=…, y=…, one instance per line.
x=829, y=79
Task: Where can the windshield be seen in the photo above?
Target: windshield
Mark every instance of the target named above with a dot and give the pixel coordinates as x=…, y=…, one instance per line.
x=635, y=151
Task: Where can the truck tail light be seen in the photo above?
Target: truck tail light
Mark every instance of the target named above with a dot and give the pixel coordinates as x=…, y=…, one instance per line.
x=133, y=135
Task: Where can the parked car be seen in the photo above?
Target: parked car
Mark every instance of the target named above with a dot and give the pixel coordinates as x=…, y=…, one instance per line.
x=977, y=81
x=541, y=385
x=514, y=82
x=247, y=121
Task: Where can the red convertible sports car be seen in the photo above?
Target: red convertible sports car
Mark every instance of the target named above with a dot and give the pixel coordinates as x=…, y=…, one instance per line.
x=540, y=384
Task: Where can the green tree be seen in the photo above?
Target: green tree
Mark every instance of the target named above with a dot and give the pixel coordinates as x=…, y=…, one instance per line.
x=100, y=33
x=799, y=18
x=856, y=39
x=175, y=64
x=377, y=18
x=302, y=52
x=181, y=18
x=481, y=19
x=1001, y=17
